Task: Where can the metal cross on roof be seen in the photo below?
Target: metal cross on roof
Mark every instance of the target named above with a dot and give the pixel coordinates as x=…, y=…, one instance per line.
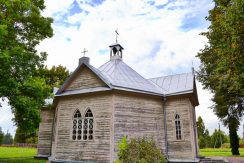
x=84, y=52
x=116, y=32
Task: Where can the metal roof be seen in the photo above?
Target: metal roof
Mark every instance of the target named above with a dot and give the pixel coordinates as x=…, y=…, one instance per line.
x=118, y=75
x=121, y=75
x=175, y=84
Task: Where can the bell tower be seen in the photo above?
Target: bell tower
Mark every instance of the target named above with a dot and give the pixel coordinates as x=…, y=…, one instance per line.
x=116, y=49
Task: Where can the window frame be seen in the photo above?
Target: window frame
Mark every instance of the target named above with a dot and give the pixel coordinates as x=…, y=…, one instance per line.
x=179, y=119
x=82, y=118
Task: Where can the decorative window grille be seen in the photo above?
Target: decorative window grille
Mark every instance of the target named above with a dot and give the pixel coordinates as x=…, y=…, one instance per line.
x=82, y=127
x=88, y=126
x=77, y=126
x=178, y=127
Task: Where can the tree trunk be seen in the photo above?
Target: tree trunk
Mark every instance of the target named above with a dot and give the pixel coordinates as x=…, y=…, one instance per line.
x=234, y=140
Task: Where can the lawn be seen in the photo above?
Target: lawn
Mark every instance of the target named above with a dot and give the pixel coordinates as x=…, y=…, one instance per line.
x=18, y=155
x=219, y=152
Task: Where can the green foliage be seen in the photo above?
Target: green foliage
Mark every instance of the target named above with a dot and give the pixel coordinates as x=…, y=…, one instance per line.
x=55, y=76
x=21, y=136
x=139, y=151
x=241, y=143
x=225, y=145
x=1, y=136
x=218, y=138
x=204, y=139
x=222, y=63
x=8, y=139
x=22, y=28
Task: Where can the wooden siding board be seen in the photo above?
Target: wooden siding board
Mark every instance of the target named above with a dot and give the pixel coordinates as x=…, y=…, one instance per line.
x=137, y=116
x=180, y=149
x=45, y=133
x=85, y=79
x=97, y=149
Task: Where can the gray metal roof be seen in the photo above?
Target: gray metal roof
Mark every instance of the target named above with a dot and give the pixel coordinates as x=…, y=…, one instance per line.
x=118, y=75
x=175, y=84
x=121, y=75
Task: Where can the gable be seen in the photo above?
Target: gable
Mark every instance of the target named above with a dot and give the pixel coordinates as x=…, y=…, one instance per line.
x=85, y=79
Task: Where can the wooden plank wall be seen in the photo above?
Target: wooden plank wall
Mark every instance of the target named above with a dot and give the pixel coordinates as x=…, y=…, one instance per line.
x=138, y=116
x=45, y=133
x=95, y=150
x=85, y=79
x=185, y=148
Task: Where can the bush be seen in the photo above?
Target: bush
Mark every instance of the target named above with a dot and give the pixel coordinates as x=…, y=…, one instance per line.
x=225, y=145
x=139, y=151
x=241, y=143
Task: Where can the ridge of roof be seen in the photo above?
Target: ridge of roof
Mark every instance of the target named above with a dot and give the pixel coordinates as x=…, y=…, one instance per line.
x=120, y=74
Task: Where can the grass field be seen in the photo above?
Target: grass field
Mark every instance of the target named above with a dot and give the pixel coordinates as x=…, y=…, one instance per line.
x=18, y=155
x=219, y=152
x=25, y=155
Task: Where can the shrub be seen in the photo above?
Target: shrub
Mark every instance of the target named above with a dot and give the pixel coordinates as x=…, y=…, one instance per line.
x=225, y=145
x=139, y=150
x=241, y=143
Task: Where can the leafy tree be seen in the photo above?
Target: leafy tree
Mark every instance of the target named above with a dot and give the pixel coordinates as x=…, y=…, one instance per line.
x=200, y=126
x=7, y=139
x=222, y=64
x=218, y=138
x=22, y=28
x=21, y=136
x=203, y=134
x=55, y=76
x=1, y=136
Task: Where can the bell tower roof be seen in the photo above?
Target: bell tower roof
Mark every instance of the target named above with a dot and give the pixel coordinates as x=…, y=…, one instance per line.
x=116, y=49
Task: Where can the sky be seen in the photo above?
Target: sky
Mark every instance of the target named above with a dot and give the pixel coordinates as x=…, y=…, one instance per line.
x=160, y=37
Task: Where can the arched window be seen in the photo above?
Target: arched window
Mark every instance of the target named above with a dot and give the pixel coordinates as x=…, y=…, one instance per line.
x=77, y=126
x=178, y=127
x=82, y=127
x=88, y=126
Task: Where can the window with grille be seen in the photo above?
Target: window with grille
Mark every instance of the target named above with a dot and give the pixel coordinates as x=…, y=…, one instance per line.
x=178, y=127
x=82, y=127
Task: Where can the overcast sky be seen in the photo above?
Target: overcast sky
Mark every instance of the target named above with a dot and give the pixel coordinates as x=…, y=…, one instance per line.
x=160, y=37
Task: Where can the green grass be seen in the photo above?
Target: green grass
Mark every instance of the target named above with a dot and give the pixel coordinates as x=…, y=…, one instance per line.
x=18, y=155
x=219, y=152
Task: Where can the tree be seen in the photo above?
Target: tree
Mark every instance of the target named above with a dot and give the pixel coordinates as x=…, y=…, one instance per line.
x=217, y=138
x=1, y=136
x=200, y=127
x=222, y=64
x=55, y=76
x=7, y=139
x=203, y=134
x=22, y=28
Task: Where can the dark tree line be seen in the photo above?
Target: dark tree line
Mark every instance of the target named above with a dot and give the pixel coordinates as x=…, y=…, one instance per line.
x=5, y=138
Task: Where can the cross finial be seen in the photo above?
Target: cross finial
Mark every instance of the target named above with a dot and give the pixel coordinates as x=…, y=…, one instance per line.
x=84, y=52
x=116, y=32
